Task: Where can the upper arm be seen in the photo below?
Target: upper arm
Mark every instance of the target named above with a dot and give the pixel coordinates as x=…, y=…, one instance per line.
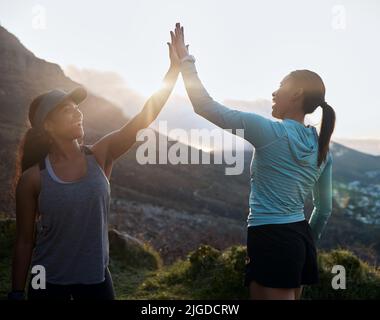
x=113, y=145
x=258, y=130
x=118, y=142
x=27, y=192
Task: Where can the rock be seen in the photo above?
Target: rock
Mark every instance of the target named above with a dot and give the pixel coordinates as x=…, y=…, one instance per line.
x=132, y=252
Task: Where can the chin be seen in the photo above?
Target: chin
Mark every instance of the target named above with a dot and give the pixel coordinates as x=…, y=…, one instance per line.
x=78, y=135
x=276, y=115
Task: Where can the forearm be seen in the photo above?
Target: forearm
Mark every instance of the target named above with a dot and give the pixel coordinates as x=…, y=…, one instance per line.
x=152, y=107
x=118, y=142
x=322, y=200
x=318, y=221
x=155, y=103
x=20, y=265
x=204, y=105
x=202, y=102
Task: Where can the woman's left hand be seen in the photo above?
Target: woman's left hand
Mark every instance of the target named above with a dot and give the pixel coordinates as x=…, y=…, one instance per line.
x=179, y=41
x=174, y=59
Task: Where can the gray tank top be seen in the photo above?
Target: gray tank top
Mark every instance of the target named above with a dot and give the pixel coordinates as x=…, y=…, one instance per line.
x=72, y=229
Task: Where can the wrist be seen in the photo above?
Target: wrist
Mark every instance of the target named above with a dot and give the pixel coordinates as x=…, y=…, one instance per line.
x=174, y=67
x=187, y=58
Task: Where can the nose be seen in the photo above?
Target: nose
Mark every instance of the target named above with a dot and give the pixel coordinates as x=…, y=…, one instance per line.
x=78, y=114
x=273, y=94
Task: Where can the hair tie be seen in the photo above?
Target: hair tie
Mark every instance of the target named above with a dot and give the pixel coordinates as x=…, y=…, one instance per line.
x=323, y=104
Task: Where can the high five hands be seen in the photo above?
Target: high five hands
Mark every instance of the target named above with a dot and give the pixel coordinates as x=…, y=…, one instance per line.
x=177, y=48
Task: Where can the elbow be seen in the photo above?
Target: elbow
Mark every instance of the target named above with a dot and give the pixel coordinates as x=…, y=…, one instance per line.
x=202, y=107
x=198, y=110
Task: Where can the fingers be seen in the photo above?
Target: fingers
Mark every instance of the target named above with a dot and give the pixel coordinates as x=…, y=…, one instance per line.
x=179, y=33
x=171, y=48
x=177, y=29
x=178, y=41
x=172, y=37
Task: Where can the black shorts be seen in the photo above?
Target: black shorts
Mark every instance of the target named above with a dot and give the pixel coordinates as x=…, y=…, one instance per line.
x=281, y=255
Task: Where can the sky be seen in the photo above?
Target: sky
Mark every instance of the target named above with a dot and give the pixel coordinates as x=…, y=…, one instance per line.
x=243, y=48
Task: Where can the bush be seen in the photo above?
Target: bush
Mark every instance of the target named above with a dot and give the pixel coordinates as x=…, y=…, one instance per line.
x=208, y=273
x=362, y=281
x=7, y=236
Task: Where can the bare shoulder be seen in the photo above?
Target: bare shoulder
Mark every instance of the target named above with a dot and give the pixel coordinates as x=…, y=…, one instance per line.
x=30, y=180
x=100, y=153
x=97, y=149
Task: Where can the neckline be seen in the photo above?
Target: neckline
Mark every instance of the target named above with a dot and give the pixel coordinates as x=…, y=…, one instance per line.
x=299, y=123
x=52, y=174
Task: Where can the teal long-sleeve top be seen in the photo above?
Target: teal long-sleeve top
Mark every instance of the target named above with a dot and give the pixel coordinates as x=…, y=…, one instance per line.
x=284, y=166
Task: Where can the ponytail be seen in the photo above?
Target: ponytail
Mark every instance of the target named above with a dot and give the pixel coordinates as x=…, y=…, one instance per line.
x=327, y=128
x=34, y=146
x=314, y=96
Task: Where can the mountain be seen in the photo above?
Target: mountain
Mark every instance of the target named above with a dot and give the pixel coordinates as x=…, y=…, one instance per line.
x=370, y=146
x=22, y=77
x=352, y=165
x=173, y=207
x=148, y=201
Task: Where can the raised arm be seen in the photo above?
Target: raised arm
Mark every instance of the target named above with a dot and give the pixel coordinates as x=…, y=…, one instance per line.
x=322, y=200
x=116, y=143
x=257, y=129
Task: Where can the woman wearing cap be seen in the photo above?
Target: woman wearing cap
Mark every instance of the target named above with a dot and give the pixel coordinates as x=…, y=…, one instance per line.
x=290, y=161
x=64, y=191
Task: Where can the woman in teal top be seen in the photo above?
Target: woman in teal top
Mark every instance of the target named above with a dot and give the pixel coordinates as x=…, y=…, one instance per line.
x=290, y=160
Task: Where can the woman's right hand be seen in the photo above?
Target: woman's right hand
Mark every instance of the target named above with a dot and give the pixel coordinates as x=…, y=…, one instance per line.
x=179, y=41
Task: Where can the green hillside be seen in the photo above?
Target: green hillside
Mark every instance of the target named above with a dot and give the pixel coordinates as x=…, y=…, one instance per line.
x=206, y=273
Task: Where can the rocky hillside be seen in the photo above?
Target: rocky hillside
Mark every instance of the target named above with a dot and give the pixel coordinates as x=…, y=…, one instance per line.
x=175, y=208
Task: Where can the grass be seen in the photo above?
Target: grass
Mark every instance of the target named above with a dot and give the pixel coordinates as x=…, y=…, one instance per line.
x=206, y=273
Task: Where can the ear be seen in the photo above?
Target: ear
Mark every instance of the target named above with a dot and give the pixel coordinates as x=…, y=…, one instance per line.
x=47, y=125
x=298, y=94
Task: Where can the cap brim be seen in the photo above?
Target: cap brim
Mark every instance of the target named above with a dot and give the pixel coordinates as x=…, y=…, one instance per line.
x=78, y=95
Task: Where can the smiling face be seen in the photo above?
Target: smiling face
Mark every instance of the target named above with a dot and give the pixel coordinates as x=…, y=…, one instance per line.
x=287, y=99
x=65, y=122
x=300, y=93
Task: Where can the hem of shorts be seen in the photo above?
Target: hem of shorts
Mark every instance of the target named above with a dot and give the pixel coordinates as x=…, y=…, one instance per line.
x=259, y=219
x=310, y=283
x=276, y=286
